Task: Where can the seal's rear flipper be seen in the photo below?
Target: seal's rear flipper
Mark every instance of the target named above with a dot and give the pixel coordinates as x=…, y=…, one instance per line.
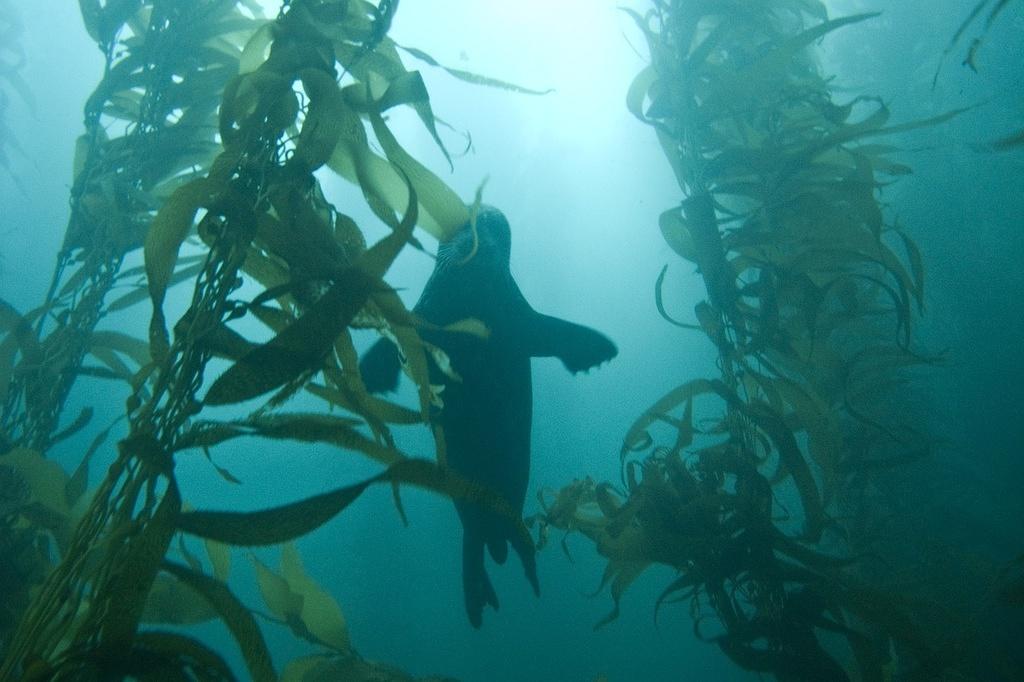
x=476, y=584
x=578, y=347
x=380, y=367
x=528, y=555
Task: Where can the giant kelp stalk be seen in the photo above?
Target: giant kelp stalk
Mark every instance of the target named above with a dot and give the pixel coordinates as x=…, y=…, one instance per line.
x=737, y=481
x=204, y=135
x=149, y=126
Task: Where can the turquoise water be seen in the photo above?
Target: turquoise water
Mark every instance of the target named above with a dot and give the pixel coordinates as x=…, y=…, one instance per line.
x=582, y=183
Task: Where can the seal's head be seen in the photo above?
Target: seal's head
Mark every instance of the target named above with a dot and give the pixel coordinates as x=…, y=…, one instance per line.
x=488, y=237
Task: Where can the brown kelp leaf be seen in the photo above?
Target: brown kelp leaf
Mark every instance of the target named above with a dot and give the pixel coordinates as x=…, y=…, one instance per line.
x=235, y=615
x=378, y=258
x=677, y=234
x=103, y=23
x=171, y=601
x=300, y=236
x=790, y=456
x=408, y=88
x=256, y=49
x=349, y=390
x=76, y=485
x=207, y=434
x=471, y=326
x=472, y=77
x=124, y=599
x=414, y=361
x=135, y=349
x=385, y=186
x=47, y=481
x=8, y=353
x=277, y=594
x=287, y=522
x=13, y=323
x=679, y=589
x=625, y=573
x=165, y=236
x=141, y=292
x=301, y=348
x=1009, y=142
x=320, y=613
x=383, y=410
x=969, y=60
x=324, y=122
x=916, y=266
x=220, y=558
x=638, y=92
x=113, y=366
x=221, y=471
x=764, y=72
x=182, y=654
x=322, y=428
x=702, y=225
x=441, y=205
x=660, y=303
x=683, y=393
x=307, y=668
x=825, y=440
x=304, y=427
x=275, y=525
x=81, y=421
x=224, y=342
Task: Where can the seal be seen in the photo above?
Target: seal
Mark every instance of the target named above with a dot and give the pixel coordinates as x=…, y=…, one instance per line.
x=487, y=412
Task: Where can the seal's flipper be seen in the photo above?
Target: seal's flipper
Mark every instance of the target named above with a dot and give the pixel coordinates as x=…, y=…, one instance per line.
x=380, y=367
x=476, y=584
x=497, y=545
x=528, y=556
x=578, y=347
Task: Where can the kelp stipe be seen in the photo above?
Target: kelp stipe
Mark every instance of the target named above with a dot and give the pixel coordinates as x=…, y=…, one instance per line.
x=206, y=130
x=743, y=482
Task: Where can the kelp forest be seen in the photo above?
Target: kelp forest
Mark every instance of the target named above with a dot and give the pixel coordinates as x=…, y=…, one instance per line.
x=763, y=483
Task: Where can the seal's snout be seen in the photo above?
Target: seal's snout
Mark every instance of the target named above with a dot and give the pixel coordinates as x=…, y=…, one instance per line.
x=493, y=232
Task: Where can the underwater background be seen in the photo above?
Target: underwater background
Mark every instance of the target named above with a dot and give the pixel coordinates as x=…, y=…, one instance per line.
x=582, y=183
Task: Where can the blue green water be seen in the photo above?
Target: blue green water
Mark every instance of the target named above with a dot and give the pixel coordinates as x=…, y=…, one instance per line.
x=582, y=183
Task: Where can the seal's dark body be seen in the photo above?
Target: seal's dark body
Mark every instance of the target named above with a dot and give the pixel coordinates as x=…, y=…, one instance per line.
x=487, y=414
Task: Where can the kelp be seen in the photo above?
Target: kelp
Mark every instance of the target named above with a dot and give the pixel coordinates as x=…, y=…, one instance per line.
x=742, y=482
x=991, y=10
x=199, y=154
x=129, y=157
